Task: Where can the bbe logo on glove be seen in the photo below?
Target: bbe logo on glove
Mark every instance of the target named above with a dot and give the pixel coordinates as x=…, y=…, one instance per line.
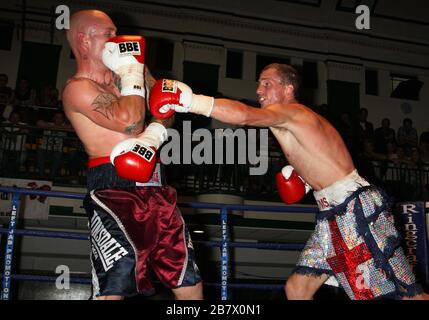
x=143, y=151
x=169, y=86
x=129, y=48
x=169, y=96
x=124, y=55
x=135, y=158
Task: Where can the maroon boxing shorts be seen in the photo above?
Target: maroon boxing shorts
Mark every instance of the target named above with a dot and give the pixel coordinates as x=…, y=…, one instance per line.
x=134, y=229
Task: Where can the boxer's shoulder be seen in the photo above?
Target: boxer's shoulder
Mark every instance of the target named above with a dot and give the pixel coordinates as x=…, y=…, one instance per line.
x=75, y=83
x=83, y=91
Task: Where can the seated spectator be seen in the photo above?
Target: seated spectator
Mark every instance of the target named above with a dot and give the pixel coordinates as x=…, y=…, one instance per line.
x=424, y=151
x=407, y=135
x=414, y=161
x=367, y=159
x=24, y=95
x=383, y=135
x=392, y=154
x=370, y=153
x=402, y=158
x=23, y=99
x=47, y=97
x=414, y=176
x=51, y=145
x=346, y=130
x=12, y=148
x=6, y=94
x=77, y=157
x=425, y=136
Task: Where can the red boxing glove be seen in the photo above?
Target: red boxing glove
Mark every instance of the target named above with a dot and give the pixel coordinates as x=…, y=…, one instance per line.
x=290, y=185
x=163, y=93
x=135, y=159
x=168, y=96
x=124, y=55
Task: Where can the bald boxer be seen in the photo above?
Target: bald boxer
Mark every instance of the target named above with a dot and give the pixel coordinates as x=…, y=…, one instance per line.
x=134, y=221
x=355, y=239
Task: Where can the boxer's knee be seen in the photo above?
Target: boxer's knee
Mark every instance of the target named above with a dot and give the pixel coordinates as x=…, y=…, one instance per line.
x=109, y=298
x=301, y=287
x=295, y=290
x=194, y=292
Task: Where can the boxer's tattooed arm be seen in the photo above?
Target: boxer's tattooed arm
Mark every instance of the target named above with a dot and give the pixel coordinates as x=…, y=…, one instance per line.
x=118, y=83
x=104, y=104
x=135, y=128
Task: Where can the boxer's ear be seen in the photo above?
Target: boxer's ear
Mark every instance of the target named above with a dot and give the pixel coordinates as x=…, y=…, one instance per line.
x=82, y=40
x=290, y=90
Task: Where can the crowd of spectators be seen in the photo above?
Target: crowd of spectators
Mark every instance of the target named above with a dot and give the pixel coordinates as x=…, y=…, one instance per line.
x=393, y=159
x=38, y=142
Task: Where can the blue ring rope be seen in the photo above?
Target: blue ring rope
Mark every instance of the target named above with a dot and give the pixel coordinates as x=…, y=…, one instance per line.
x=224, y=244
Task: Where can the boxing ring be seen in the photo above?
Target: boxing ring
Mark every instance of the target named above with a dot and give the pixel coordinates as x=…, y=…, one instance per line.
x=224, y=244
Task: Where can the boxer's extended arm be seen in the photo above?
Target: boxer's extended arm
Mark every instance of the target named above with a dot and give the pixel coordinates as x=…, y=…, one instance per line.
x=238, y=113
x=170, y=96
x=125, y=114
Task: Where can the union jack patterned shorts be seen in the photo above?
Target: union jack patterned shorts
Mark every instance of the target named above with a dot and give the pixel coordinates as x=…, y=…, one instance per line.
x=355, y=240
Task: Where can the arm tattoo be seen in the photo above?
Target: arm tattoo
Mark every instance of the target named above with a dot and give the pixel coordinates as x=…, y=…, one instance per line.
x=104, y=104
x=135, y=128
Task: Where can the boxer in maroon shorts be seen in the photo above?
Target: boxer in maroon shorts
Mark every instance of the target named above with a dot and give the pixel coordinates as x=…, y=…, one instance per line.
x=135, y=223
x=136, y=227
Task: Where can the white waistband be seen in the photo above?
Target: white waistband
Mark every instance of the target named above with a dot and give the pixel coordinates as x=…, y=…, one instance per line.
x=337, y=192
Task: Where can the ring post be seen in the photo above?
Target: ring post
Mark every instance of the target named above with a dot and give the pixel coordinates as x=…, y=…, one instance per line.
x=224, y=253
x=7, y=272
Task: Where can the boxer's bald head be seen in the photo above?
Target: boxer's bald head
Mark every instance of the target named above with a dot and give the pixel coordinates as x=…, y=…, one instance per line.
x=87, y=28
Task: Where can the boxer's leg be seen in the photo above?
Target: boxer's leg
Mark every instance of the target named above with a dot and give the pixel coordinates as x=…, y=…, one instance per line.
x=303, y=286
x=312, y=268
x=421, y=296
x=173, y=259
x=194, y=292
x=109, y=298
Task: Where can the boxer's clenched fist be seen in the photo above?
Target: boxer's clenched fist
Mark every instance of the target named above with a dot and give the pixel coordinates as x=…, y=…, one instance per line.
x=169, y=96
x=135, y=159
x=290, y=185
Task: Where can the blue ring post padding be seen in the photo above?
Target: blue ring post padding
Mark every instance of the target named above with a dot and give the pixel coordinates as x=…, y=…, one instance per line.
x=7, y=271
x=224, y=254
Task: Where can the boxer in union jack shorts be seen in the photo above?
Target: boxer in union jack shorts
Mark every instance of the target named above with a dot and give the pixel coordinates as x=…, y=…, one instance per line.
x=355, y=239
